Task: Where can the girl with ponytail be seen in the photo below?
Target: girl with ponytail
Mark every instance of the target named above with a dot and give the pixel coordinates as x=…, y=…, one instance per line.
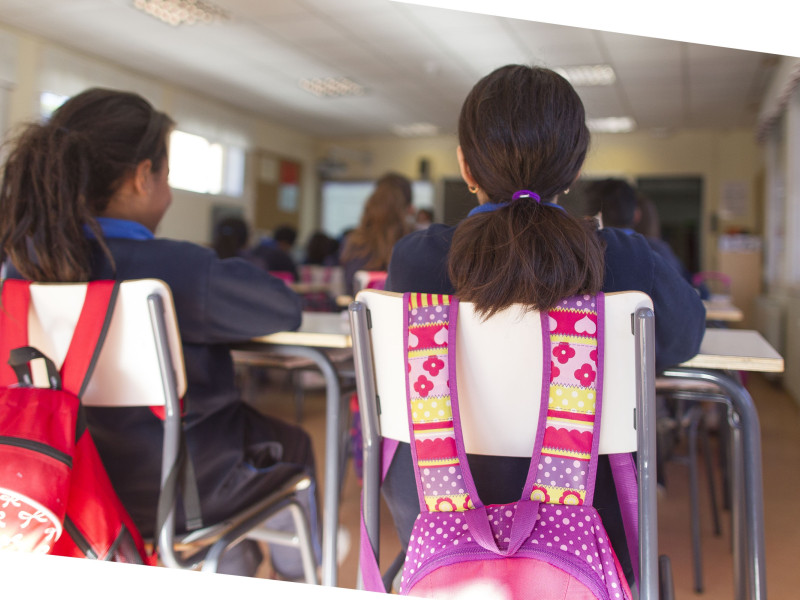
x=81, y=198
x=522, y=142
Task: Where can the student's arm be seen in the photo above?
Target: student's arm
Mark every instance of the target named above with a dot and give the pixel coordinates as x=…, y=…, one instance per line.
x=679, y=312
x=243, y=301
x=680, y=316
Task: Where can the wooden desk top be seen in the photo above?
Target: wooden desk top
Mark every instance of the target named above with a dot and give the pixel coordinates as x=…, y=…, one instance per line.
x=734, y=349
x=737, y=350
x=722, y=311
x=318, y=329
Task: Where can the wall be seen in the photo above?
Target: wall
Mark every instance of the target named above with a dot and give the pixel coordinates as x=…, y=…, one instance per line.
x=779, y=125
x=716, y=156
x=719, y=157
x=27, y=59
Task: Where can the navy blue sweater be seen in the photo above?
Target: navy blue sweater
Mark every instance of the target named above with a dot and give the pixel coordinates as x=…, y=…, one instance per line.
x=419, y=264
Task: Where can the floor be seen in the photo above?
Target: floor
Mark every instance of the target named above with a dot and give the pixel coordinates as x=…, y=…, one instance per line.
x=780, y=431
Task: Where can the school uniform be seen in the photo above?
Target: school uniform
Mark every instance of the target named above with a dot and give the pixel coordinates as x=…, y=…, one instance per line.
x=419, y=264
x=272, y=258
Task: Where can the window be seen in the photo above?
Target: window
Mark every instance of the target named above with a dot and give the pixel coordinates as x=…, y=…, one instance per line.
x=197, y=165
x=49, y=102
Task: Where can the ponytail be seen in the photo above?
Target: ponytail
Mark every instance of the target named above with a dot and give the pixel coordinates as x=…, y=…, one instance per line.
x=524, y=253
x=523, y=128
x=43, y=205
x=61, y=175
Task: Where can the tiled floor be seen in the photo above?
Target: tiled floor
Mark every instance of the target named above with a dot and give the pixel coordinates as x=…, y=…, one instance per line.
x=780, y=431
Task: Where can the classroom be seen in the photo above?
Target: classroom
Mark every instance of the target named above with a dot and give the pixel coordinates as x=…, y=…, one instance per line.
x=287, y=113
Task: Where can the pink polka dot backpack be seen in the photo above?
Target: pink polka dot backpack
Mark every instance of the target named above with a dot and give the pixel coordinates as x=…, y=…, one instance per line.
x=551, y=543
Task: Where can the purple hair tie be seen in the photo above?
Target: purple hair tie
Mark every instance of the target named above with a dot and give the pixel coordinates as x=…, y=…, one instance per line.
x=526, y=194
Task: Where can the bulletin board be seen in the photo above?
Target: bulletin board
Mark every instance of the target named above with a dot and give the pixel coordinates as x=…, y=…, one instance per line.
x=277, y=192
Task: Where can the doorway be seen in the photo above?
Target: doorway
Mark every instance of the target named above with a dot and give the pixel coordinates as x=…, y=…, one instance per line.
x=679, y=201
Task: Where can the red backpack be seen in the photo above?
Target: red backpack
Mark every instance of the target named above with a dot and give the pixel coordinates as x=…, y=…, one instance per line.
x=55, y=495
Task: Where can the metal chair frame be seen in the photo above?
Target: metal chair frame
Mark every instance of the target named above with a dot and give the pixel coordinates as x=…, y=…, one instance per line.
x=206, y=546
x=642, y=323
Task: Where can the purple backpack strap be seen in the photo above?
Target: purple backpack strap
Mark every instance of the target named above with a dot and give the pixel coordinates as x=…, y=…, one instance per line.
x=437, y=450
x=569, y=421
x=368, y=561
x=625, y=480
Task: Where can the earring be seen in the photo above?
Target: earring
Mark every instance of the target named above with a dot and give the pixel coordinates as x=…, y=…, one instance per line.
x=473, y=189
x=566, y=191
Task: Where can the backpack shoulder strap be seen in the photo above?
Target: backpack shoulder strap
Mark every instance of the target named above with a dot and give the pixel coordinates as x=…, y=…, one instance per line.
x=89, y=335
x=623, y=469
x=572, y=339
x=368, y=558
x=443, y=479
x=16, y=300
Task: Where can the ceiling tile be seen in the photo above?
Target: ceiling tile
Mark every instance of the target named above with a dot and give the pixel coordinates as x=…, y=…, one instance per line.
x=247, y=9
x=637, y=50
x=420, y=61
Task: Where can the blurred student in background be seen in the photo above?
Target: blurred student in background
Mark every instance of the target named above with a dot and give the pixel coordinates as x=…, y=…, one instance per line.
x=424, y=218
x=275, y=252
x=322, y=250
x=231, y=235
x=385, y=220
x=620, y=206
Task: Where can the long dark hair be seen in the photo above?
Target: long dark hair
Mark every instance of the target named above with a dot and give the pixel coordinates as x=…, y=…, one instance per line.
x=62, y=174
x=523, y=128
x=383, y=222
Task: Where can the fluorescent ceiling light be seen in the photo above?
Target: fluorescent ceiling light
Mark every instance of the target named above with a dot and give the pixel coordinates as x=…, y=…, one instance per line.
x=415, y=130
x=588, y=74
x=611, y=125
x=332, y=87
x=182, y=12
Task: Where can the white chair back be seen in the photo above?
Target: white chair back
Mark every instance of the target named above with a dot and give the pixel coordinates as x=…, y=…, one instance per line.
x=141, y=364
x=363, y=280
x=127, y=371
x=498, y=364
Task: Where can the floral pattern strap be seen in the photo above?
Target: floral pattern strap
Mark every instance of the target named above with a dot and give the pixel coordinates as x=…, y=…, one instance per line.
x=567, y=464
x=440, y=480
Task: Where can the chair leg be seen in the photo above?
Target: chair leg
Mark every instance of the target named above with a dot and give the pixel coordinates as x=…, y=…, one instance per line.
x=695, y=415
x=247, y=382
x=666, y=587
x=724, y=455
x=300, y=539
x=394, y=570
x=299, y=395
x=710, y=475
x=214, y=555
x=304, y=539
